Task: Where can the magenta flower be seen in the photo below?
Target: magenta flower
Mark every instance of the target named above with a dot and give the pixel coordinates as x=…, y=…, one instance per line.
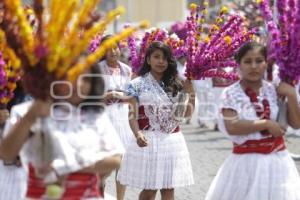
x=95, y=43
x=137, y=52
x=216, y=50
x=284, y=37
x=2, y=72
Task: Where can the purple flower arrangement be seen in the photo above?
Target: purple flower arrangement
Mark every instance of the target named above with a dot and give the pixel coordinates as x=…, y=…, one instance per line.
x=2, y=72
x=216, y=50
x=8, y=80
x=284, y=38
x=180, y=30
x=95, y=43
x=137, y=55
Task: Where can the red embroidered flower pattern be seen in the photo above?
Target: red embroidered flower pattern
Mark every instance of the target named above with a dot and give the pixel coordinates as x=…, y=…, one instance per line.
x=261, y=113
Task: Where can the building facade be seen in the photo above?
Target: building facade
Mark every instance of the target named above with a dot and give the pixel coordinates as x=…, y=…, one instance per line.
x=159, y=12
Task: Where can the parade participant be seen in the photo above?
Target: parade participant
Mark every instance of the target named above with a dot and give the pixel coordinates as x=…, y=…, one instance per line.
x=159, y=158
x=117, y=76
x=260, y=167
x=80, y=138
x=13, y=175
x=85, y=137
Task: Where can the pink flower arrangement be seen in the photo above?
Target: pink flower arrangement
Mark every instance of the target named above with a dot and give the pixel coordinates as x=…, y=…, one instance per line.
x=284, y=38
x=2, y=72
x=8, y=79
x=216, y=50
x=180, y=30
x=137, y=55
x=95, y=43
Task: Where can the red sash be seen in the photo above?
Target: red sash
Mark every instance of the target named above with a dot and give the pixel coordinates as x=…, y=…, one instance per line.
x=143, y=121
x=77, y=186
x=263, y=146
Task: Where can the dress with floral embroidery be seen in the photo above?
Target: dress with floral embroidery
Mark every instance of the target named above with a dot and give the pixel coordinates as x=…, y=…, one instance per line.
x=165, y=161
x=250, y=176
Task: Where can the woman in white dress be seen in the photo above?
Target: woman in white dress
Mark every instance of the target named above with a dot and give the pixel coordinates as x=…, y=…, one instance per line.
x=13, y=174
x=159, y=158
x=117, y=76
x=260, y=167
x=66, y=142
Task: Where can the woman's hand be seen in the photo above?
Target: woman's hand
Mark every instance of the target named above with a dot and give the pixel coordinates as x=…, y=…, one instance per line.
x=275, y=129
x=43, y=171
x=141, y=139
x=40, y=108
x=134, y=75
x=4, y=114
x=113, y=95
x=48, y=173
x=285, y=90
x=188, y=86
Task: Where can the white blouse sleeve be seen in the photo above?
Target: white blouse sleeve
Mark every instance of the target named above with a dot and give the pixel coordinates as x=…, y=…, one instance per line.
x=234, y=98
x=228, y=100
x=100, y=142
x=16, y=113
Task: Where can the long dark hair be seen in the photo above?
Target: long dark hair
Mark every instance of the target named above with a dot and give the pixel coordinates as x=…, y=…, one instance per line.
x=250, y=46
x=171, y=83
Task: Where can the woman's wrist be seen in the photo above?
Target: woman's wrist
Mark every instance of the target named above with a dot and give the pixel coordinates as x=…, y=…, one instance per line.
x=30, y=117
x=291, y=94
x=189, y=91
x=266, y=123
x=138, y=134
x=192, y=94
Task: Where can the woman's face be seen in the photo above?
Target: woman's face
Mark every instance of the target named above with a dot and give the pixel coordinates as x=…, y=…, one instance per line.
x=77, y=91
x=113, y=54
x=253, y=65
x=158, y=62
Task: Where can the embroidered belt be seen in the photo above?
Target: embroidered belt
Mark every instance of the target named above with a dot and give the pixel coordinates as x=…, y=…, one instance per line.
x=263, y=146
x=76, y=186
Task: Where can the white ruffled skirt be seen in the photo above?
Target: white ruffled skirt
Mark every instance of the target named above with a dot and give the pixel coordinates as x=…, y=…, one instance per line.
x=118, y=115
x=163, y=164
x=256, y=177
x=13, y=182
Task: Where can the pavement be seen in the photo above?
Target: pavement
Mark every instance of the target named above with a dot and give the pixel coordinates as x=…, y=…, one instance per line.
x=208, y=150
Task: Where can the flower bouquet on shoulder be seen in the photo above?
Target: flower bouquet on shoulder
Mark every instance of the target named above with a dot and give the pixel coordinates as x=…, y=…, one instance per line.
x=283, y=44
x=47, y=52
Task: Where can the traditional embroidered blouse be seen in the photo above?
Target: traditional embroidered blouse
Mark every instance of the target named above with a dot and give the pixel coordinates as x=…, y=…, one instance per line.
x=154, y=103
x=235, y=98
x=70, y=139
x=116, y=78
